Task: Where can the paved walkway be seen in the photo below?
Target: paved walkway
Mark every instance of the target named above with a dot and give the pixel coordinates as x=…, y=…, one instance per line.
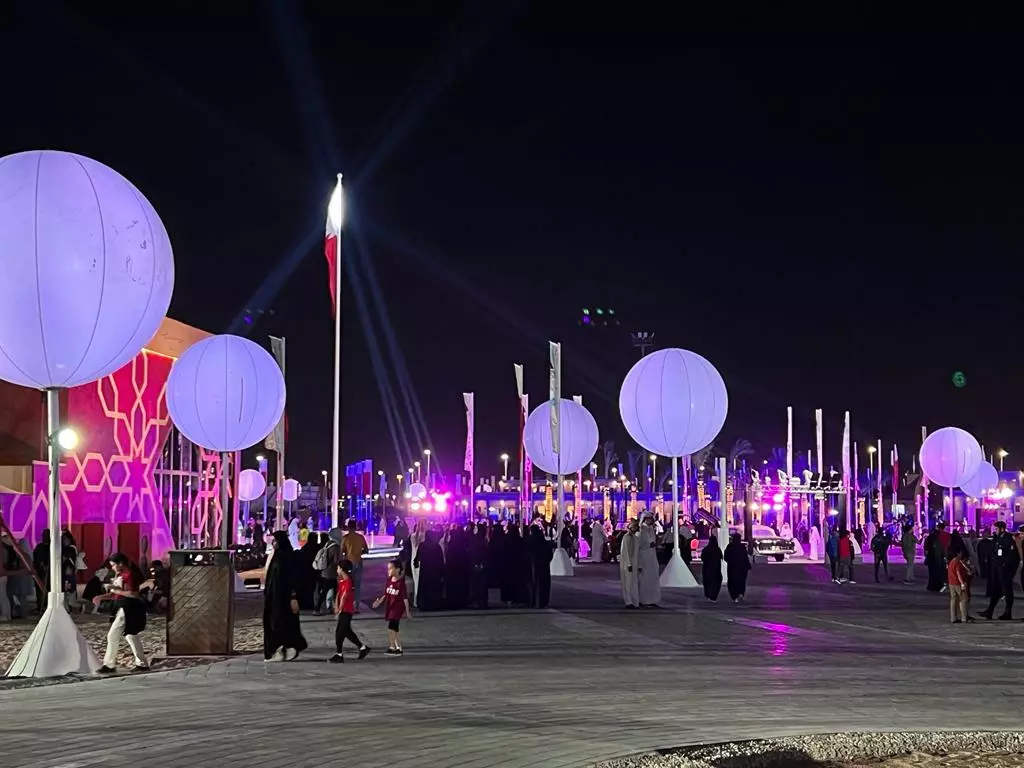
x=587, y=681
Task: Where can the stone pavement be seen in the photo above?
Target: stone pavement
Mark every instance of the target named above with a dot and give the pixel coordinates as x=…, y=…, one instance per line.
x=570, y=686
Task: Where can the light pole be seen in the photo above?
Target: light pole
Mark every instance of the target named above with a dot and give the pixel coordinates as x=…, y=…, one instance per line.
x=382, y=489
x=504, y=458
x=399, y=477
x=327, y=494
x=410, y=470
x=654, y=479
x=426, y=453
x=419, y=474
x=1002, y=455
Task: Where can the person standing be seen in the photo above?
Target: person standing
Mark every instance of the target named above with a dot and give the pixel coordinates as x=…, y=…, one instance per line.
x=648, y=585
x=326, y=563
x=344, y=607
x=711, y=569
x=908, y=544
x=1003, y=565
x=282, y=633
x=353, y=547
x=129, y=619
x=541, y=554
x=628, y=565
x=832, y=554
x=880, y=544
x=396, y=606
x=959, y=580
x=845, y=571
x=597, y=539
x=737, y=567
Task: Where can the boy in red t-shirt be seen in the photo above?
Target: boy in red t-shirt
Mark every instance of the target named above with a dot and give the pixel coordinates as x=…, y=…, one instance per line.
x=396, y=605
x=345, y=606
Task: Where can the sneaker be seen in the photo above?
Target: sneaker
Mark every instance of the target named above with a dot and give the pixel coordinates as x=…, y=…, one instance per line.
x=957, y=621
x=105, y=670
x=364, y=652
x=398, y=652
x=851, y=581
x=391, y=652
x=141, y=667
x=336, y=659
x=278, y=656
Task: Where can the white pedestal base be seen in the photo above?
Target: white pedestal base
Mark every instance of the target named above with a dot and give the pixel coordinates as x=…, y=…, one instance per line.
x=561, y=563
x=676, y=574
x=239, y=584
x=54, y=648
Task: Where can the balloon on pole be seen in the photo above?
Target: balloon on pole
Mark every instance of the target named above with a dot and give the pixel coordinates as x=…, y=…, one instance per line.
x=251, y=484
x=86, y=270
x=950, y=456
x=673, y=402
x=86, y=276
x=578, y=438
x=226, y=393
x=981, y=482
x=290, y=489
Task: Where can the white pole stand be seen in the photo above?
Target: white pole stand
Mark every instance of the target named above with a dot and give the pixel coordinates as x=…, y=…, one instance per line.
x=55, y=647
x=561, y=563
x=676, y=574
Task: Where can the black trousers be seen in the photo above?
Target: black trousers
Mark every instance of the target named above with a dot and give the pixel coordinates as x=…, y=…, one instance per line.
x=343, y=631
x=1007, y=594
x=541, y=584
x=323, y=588
x=882, y=560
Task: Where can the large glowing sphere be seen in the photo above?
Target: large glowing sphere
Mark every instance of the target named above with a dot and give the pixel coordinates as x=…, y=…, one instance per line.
x=577, y=432
x=985, y=480
x=950, y=456
x=673, y=402
x=251, y=484
x=225, y=393
x=418, y=491
x=290, y=490
x=86, y=270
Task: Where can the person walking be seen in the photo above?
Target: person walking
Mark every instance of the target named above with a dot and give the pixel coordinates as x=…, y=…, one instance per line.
x=326, y=564
x=880, y=544
x=1005, y=560
x=737, y=566
x=344, y=607
x=711, y=569
x=130, y=617
x=282, y=632
x=908, y=545
x=832, y=554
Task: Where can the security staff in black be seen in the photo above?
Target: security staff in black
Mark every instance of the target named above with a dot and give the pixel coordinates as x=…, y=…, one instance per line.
x=1005, y=560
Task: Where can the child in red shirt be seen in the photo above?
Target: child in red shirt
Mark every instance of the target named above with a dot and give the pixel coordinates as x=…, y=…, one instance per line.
x=345, y=606
x=396, y=605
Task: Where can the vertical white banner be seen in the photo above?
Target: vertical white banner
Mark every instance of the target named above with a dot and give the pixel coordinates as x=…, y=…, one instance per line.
x=822, y=522
x=578, y=399
x=468, y=463
x=922, y=510
x=895, y=474
x=847, y=515
x=881, y=497
x=555, y=386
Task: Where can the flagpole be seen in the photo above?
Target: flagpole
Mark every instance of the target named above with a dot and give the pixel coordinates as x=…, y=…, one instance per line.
x=336, y=456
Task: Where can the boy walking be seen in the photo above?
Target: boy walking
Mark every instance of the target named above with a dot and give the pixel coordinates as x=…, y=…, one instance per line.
x=396, y=606
x=345, y=606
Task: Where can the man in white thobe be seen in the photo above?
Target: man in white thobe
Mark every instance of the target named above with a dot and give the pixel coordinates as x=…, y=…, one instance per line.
x=597, y=538
x=648, y=584
x=628, y=566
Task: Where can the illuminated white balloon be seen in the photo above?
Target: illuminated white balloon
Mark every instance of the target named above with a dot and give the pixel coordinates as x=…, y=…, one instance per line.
x=251, y=484
x=578, y=437
x=950, y=456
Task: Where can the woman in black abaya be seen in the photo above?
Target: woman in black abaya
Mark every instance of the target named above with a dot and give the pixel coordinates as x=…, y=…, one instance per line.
x=711, y=568
x=737, y=565
x=430, y=561
x=282, y=635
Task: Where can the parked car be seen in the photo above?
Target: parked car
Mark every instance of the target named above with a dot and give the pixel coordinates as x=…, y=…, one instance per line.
x=766, y=543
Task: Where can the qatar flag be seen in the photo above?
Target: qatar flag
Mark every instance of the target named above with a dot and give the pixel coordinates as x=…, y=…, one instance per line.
x=332, y=240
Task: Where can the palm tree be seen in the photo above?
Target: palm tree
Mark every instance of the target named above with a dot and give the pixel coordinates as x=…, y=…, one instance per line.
x=740, y=448
x=610, y=458
x=633, y=459
x=698, y=459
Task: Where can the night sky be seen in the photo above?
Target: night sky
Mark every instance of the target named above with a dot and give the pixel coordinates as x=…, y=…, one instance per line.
x=828, y=207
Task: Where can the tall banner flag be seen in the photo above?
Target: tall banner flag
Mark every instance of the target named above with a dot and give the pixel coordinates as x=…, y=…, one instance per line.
x=467, y=465
x=555, y=354
x=821, y=464
x=276, y=439
x=332, y=242
x=881, y=498
x=578, y=399
x=856, y=480
x=522, y=450
x=789, y=441
x=895, y=458
x=846, y=467
x=922, y=510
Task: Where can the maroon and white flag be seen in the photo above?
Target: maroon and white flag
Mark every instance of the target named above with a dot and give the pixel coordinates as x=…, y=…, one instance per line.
x=332, y=241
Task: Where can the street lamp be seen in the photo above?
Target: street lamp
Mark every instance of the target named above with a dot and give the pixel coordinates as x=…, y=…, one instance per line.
x=67, y=439
x=504, y=458
x=410, y=470
x=871, y=475
x=1002, y=455
x=426, y=453
x=418, y=473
